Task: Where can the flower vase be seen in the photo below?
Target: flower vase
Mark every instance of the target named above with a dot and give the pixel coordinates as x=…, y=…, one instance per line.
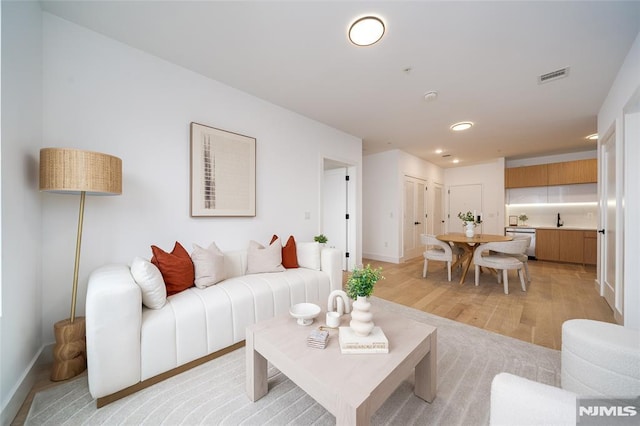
x=469, y=229
x=361, y=317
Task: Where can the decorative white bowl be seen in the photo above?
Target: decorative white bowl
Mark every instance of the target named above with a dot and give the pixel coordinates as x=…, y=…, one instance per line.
x=305, y=312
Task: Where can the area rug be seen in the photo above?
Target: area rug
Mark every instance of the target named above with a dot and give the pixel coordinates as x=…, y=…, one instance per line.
x=213, y=393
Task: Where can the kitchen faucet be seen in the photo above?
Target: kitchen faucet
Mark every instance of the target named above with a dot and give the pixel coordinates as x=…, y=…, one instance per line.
x=559, y=223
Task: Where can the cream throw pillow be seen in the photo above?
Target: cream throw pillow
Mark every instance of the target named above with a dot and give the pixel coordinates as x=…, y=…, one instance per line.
x=208, y=265
x=308, y=255
x=264, y=259
x=148, y=277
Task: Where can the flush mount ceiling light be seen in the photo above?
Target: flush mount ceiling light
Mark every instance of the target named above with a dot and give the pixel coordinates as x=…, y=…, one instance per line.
x=438, y=151
x=366, y=31
x=592, y=137
x=463, y=125
x=456, y=161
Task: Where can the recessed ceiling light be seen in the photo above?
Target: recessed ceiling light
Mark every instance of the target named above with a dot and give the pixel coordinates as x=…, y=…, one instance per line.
x=456, y=161
x=592, y=137
x=366, y=31
x=463, y=125
x=438, y=151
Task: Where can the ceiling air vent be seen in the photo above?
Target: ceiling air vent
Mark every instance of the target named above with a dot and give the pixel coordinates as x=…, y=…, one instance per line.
x=553, y=75
x=446, y=155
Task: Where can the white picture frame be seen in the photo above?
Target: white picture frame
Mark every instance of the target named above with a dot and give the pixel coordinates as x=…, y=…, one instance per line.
x=223, y=172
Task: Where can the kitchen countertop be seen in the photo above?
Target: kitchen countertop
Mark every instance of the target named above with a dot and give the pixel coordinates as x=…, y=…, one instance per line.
x=565, y=228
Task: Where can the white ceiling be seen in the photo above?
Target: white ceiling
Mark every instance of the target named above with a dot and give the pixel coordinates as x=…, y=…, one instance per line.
x=483, y=59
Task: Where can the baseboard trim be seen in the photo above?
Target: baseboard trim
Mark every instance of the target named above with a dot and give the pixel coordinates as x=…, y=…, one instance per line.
x=381, y=258
x=21, y=391
x=102, y=401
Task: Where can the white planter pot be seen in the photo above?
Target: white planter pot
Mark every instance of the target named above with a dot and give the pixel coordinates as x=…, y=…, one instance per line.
x=469, y=229
x=361, y=317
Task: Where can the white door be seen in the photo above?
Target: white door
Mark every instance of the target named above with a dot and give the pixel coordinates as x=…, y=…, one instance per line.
x=438, y=210
x=335, y=208
x=339, y=209
x=609, y=220
x=415, y=216
x=463, y=198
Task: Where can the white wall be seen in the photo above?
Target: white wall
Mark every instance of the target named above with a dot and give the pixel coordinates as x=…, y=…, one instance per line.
x=491, y=177
x=624, y=93
x=382, y=196
x=20, y=322
x=382, y=207
x=102, y=95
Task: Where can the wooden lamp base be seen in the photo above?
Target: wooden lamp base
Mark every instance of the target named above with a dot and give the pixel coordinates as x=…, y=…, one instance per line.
x=70, y=350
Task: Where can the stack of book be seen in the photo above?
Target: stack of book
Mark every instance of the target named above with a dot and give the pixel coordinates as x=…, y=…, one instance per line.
x=318, y=339
x=375, y=343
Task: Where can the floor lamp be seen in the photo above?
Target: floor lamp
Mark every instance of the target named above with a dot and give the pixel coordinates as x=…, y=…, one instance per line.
x=72, y=171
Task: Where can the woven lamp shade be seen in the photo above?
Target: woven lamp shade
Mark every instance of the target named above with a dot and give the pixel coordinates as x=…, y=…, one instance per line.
x=73, y=171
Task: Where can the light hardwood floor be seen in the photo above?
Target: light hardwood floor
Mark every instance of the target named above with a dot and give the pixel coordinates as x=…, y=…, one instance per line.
x=557, y=292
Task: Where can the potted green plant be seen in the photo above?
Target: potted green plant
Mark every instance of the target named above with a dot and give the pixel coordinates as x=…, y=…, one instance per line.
x=322, y=239
x=523, y=219
x=359, y=287
x=469, y=217
x=362, y=280
x=470, y=222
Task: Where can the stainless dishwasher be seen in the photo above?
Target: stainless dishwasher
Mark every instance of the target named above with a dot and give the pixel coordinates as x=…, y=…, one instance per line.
x=514, y=231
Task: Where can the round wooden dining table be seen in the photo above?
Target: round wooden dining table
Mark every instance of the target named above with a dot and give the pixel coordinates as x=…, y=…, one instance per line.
x=469, y=245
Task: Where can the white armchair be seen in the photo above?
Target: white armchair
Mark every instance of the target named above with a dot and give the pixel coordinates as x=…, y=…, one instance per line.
x=599, y=360
x=438, y=250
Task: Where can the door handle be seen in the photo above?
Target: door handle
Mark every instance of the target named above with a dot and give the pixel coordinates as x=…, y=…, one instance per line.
x=601, y=231
x=417, y=223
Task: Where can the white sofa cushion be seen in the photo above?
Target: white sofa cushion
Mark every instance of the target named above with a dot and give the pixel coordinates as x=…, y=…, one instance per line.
x=148, y=277
x=309, y=255
x=264, y=259
x=208, y=265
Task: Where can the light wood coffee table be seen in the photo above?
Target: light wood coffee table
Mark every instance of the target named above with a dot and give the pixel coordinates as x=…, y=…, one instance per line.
x=351, y=387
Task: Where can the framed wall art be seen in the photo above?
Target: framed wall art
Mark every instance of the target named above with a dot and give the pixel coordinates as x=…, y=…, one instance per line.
x=513, y=220
x=223, y=173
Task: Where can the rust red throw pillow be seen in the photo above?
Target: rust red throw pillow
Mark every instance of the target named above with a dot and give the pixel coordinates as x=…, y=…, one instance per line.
x=289, y=252
x=176, y=268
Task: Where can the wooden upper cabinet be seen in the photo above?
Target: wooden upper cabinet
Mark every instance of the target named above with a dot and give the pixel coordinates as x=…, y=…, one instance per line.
x=565, y=173
x=570, y=172
x=523, y=177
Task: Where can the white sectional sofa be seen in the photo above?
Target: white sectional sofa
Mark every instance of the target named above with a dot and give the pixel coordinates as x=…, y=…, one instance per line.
x=130, y=346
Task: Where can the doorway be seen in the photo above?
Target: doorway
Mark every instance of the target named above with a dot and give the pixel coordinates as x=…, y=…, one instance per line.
x=609, y=220
x=438, y=210
x=414, y=220
x=338, y=209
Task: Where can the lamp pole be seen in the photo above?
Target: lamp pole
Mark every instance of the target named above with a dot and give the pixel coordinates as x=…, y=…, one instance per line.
x=76, y=266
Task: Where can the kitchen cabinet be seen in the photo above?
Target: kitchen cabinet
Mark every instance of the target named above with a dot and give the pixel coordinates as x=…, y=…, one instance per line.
x=523, y=177
x=590, y=248
x=547, y=244
x=566, y=245
x=579, y=171
x=571, y=246
x=564, y=173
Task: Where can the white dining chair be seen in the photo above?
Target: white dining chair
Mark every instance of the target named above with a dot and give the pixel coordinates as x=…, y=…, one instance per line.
x=504, y=260
x=522, y=257
x=438, y=250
